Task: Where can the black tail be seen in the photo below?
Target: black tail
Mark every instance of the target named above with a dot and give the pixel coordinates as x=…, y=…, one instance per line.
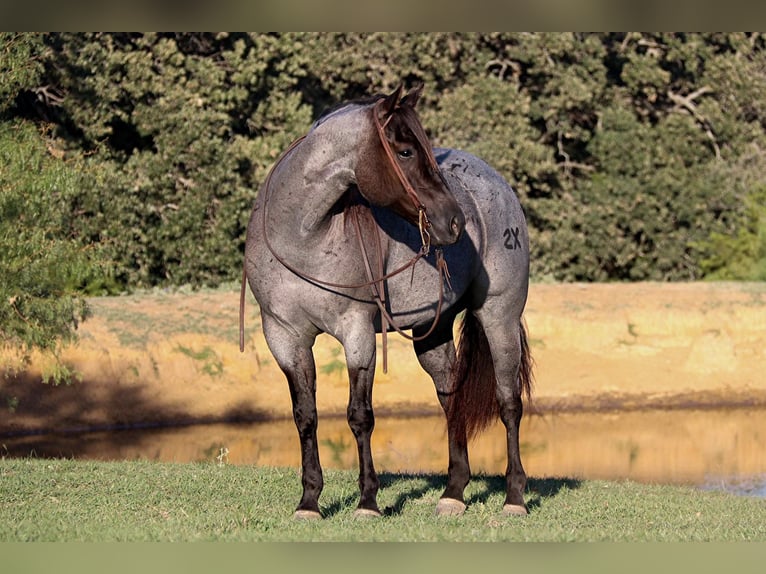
x=472, y=405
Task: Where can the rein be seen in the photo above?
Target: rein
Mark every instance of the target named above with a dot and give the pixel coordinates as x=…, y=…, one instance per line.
x=376, y=284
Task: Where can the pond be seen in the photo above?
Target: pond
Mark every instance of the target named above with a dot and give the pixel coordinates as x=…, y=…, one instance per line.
x=716, y=449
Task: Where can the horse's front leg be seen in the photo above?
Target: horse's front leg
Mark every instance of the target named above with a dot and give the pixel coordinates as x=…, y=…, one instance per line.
x=359, y=346
x=294, y=356
x=436, y=355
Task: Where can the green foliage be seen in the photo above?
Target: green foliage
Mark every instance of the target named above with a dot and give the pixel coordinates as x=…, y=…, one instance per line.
x=179, y=129
x=43, y=265
x=647, y=203
x=741, y=256
x=20, y=65
x=633, y=153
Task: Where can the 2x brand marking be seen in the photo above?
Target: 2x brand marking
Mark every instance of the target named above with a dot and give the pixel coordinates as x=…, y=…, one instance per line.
x=512, y=238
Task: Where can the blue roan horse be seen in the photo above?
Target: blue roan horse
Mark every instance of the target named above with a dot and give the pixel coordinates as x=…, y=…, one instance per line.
x=340, y=241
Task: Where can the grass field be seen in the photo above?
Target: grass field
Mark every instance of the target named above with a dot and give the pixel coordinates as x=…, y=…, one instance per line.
x=65, y=500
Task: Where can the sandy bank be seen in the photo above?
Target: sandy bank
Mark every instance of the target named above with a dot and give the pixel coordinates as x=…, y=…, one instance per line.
x=174, y=357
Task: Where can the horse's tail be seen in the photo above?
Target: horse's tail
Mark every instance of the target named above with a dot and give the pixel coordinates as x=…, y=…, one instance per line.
x=526, y=372
x=472, y=403
x=242, y=312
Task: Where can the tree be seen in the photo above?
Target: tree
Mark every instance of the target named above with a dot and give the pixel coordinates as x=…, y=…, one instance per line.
x=42, y=267
x=180, y=129
x=629, y=150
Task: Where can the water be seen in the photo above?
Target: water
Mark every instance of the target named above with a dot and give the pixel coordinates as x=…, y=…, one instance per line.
x=713, y=449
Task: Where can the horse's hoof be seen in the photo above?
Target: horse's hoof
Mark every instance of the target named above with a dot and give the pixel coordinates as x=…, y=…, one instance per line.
x=307, y=515
x=515, y=510
x=366, y=513
x=450, y=507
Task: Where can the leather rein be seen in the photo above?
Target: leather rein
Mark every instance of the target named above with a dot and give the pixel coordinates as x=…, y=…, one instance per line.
x=376, y=284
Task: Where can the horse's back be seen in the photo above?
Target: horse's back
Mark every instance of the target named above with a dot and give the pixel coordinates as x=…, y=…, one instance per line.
x=483, y=182
x=487, y=196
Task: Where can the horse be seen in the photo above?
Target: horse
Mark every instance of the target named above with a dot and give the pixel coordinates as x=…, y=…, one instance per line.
x=360, y=228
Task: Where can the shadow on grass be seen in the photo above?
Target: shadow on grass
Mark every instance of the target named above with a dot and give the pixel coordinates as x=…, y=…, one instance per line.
x=539, y=490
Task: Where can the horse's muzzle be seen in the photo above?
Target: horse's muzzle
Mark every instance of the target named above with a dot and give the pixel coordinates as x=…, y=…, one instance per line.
x=447, y=229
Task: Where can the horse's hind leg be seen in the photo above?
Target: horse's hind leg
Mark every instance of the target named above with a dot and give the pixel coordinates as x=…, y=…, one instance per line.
x=293, y=354
x=510, y=357
x=359, y=346
x=436, y=355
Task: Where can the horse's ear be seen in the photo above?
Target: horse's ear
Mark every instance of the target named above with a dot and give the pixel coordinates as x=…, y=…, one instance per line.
x=413, y=96
x=390, y=102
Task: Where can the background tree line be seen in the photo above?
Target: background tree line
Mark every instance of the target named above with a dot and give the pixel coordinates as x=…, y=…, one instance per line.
x=636, y=156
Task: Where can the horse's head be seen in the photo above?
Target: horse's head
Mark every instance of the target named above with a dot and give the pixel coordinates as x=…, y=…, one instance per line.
x=399, y=171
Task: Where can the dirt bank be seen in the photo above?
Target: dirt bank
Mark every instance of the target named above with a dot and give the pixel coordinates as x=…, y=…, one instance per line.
x=173, y=357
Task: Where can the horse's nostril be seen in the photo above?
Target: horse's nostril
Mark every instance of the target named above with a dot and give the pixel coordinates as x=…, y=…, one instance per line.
x=456, y=225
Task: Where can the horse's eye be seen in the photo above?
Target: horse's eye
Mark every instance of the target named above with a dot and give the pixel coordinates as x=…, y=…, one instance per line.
x=405, y=153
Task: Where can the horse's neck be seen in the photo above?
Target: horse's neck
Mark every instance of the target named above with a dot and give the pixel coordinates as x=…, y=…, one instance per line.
x=316, y=175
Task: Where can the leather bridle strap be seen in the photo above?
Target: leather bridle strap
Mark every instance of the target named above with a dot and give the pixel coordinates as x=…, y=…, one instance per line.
x=267, y=191
x=267, y=194
x=378, y=289
x=423, y=223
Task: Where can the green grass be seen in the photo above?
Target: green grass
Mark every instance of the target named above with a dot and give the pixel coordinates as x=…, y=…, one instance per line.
x=212, y=364
x=65, y=500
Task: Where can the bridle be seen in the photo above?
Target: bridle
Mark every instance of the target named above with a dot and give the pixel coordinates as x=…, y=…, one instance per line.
x=376, y=284
x=423, y=223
